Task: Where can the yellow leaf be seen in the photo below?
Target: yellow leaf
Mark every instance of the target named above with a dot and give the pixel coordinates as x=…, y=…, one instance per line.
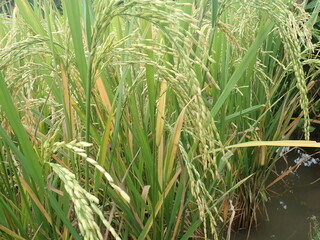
x=35, y=199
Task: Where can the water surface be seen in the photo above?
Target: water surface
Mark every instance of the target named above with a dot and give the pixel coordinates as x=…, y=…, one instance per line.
x=294, y=202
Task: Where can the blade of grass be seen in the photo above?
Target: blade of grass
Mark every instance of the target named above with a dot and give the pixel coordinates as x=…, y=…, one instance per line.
x=284, y=143
x=251, y=53
x=30, y=17
x=160, y=202
x=104, y=145
x=161, y=112
x=11, y=233
x=35, y=199
x=314, y=15
x=243, y=112
x=31, y=159
x=214, y=13
x=73, y=13
x=103, y=94
x=173, y=146
x=62, y=215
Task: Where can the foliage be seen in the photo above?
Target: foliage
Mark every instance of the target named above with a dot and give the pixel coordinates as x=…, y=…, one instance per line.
x=126, y=118
x=315, y=230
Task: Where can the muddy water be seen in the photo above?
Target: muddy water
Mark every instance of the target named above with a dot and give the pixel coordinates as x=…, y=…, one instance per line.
x=294, y=202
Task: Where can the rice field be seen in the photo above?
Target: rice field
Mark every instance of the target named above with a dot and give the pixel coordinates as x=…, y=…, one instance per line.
x=149, y=119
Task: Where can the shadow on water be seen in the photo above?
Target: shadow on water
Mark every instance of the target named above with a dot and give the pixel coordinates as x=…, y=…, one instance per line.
x=293, y=201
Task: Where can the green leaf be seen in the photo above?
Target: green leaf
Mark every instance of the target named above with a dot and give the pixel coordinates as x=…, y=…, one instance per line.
x=62, y=215
x=236, y=76
x=30, y=17
x=73, y=14
x=31, y=159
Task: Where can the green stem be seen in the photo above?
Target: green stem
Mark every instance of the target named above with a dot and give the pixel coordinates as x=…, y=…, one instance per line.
x=87, y=136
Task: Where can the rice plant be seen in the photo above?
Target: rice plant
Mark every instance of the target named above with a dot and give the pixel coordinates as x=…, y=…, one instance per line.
x=314, y=228
x=142, y=119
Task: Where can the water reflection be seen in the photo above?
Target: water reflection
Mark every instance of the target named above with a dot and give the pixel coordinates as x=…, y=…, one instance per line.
x=302, y=155
x=297, y=200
